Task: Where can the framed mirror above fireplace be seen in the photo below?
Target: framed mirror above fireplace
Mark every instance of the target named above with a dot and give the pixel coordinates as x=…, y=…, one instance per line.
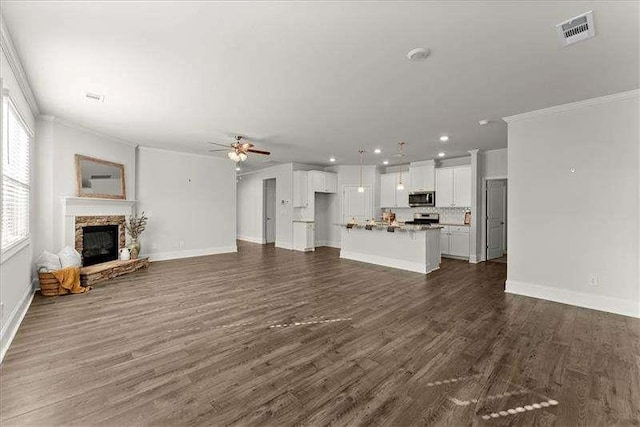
x=99, y=178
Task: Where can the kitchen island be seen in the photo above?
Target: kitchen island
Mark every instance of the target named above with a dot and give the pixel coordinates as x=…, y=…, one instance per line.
x=409, y=247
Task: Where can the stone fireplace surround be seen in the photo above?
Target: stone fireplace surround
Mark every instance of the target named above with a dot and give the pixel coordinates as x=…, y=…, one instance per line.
x=84, y=221
x=79, y=212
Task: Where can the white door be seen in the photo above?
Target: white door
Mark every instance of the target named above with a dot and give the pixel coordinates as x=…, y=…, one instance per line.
x=355, y=204
x=270, y=212
x=462, y=186
x=388, y=190
x=496, y=218
x=444, y=187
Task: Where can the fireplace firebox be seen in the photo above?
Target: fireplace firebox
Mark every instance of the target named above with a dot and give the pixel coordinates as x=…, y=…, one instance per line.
x=99, y=244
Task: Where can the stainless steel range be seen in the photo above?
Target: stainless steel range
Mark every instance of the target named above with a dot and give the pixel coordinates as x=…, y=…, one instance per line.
x=424, y=219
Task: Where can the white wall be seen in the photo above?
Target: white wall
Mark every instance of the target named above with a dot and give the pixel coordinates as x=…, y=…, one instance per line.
x=190, y=202
x=16, y=289
x=565, y=228
x=57, y=143
x=250, y=205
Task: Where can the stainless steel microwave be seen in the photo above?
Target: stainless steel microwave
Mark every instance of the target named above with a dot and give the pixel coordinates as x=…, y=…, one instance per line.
x=422, y=198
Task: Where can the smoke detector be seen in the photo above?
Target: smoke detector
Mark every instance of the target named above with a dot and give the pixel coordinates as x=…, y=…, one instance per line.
x=418, y=54
x=576, y=29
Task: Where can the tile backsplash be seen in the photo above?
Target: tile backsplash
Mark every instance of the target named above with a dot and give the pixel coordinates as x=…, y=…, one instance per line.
x=447, y=215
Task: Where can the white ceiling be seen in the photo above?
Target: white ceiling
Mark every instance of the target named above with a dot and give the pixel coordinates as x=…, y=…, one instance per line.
x=312, y=80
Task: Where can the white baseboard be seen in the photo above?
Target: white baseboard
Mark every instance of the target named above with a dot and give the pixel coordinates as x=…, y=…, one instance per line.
x=251, y=239
x=284, y=245
x=10, y=328
x=580, y=299
x=163, y=256
x=386, y=261
x=328, y=243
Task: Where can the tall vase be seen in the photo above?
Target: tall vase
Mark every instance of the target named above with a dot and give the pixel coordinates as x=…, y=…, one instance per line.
x=134, y=248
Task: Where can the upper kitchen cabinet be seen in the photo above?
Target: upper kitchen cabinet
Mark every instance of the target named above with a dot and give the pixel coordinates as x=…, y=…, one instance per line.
x=300, y=189
x=453, y=186
x=422, y=176
x=323, y=182
x=390, y=196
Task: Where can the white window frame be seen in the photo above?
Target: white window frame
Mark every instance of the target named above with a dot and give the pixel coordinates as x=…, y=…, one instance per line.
x=9, y=104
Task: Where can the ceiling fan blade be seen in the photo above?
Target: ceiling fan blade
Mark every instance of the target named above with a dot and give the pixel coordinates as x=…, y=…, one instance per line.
x=251, y=150
x=222, y=149
x=221, y=145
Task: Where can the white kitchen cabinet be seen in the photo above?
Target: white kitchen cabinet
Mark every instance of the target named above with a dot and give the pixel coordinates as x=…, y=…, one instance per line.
x=390, y=196
x=387, y=190
x=453, y=186
x=462, y=186
x=454, y=241
x=303, y=236
x=300, y=189
x=422, y=176
x=444, y=187
x=324, y=182
x=444, y=240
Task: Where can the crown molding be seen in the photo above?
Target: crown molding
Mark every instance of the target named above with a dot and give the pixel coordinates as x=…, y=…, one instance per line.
x=184, y=153
x=573, y=105
x=16, y=66
x=73, y=125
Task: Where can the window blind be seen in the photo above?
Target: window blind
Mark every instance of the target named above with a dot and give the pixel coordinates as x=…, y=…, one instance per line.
x=15, y=178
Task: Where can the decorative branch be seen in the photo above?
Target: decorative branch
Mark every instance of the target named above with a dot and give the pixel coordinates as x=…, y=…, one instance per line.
x=136, y=225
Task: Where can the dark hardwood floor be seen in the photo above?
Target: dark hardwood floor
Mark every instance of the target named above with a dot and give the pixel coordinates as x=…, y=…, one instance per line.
x=274, y=337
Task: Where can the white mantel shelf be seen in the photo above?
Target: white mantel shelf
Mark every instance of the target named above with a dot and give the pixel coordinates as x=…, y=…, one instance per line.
x=89, y=206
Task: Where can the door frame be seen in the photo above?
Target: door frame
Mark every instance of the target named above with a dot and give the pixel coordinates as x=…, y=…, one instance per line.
x=483, y=236
x=264, y=210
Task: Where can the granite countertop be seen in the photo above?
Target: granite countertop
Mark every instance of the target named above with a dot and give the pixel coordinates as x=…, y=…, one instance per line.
x=401, y=227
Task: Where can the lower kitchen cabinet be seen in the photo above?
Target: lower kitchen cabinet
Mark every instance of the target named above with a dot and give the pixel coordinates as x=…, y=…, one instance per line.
x=454, y=241
x=303, y=236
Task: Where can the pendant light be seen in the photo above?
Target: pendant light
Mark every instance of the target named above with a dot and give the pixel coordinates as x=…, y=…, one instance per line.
x=361, y=187
x=400, y=186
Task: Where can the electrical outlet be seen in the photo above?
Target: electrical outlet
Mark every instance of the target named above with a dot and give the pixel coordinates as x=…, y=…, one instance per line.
x=181, y=244
x=154, y=246
x=593, y=280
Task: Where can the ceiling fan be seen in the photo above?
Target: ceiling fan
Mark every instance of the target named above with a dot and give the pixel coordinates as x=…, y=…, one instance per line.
x=239, y=149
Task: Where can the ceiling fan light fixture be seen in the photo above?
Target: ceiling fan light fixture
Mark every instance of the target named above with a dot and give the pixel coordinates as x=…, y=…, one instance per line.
x=242, y=157
x=232, y=155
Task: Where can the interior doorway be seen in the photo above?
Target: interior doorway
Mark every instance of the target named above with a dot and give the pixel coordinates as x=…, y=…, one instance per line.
x=269, y=210
x=496, y=220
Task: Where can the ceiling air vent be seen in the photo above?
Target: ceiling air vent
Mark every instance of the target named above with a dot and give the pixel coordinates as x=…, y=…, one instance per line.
x=576, y=29
x=94, y=97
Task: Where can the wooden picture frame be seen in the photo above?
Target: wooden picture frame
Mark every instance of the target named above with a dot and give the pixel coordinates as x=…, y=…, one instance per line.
x=123, y=192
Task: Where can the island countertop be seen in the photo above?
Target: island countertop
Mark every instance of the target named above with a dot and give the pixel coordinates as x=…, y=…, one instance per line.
x=401, y=227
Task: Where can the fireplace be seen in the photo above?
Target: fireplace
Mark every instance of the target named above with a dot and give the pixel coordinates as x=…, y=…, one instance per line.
x=99, y=244
x=99, y=232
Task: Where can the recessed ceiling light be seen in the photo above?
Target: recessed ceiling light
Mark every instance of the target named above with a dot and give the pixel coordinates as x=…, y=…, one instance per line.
x=385, y=162
x=441, y=154
x=332, y=159
x=444, y=138
x=377, y=151
x=238, y=169
x=418, y=54
x=483, y=122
